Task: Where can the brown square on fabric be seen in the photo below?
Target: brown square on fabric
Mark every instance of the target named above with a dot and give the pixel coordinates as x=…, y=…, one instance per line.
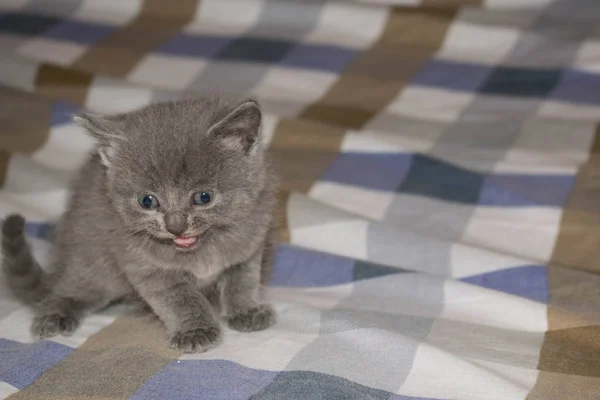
x=577, y=244
x=303, y=150
x=63, y=84
x=416, y=27
x=575, y=293
x=556, y=386
x=400, y=65
x=113, y=363
x=281, y=217
x=353, y=101
x=410, y=37
x=25, y=121
x=572, y=351
x=120, y=51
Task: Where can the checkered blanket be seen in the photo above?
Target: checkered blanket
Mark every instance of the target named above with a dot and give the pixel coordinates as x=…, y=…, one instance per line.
x=440, y=204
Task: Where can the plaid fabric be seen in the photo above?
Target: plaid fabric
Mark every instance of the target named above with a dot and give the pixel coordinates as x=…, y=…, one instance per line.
x=440, y=209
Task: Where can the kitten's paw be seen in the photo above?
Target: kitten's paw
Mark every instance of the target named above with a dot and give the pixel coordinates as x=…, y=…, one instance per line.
x=13, y=225
x=197, y=340
x=46, y=326
x=255, y=319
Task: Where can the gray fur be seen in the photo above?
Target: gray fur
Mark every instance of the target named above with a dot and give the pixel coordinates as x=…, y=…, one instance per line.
x=108, y=248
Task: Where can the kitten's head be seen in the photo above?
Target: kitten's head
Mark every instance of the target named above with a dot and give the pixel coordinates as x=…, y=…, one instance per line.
x=179, y=171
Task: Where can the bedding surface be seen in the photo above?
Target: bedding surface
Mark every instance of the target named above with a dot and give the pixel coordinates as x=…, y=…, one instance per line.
x=440, y=205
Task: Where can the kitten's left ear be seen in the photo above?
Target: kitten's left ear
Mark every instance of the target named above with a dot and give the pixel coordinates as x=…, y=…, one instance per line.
x=104, y=130
x=240, y=129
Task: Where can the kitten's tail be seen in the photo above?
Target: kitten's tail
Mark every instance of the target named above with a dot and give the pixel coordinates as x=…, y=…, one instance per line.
x=25, y=277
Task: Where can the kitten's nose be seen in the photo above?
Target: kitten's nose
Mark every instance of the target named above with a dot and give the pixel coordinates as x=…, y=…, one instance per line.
x=176, y=223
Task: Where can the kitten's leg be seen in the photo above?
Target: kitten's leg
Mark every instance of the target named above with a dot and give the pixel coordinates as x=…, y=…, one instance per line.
x=211, y=292
x=242, y=297
x=179, y=303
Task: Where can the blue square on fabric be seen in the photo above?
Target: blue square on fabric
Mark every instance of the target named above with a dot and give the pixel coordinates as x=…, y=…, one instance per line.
x=78, y=32
x=194, y=45
x=578, y=87
x=204, y=379
x=530, y=281
x=521, y=82
x=298, y=267
x=23, y=363
x=310, y=385
x=369, y=170
x=324, y=58
x=24, y=24
x=526, y=190
x=434, y=178
x=452, y=75
x=39, y=230
x=62, y=112
x=368, y=270
x=255, y=49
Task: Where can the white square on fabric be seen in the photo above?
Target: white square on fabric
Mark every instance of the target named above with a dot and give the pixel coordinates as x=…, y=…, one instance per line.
x=387, y=133
x=18, y=73
x=430, y=104
x=477, y=43
x=66, y=149
x=321, y=298
x=468, y=261
x=373, y=142
x=110, y=12
x=525, y=232
x=550, y=144
x=492, y=308
x=560, y=109
x=294, y=85
x=6, y=390
x=588, y=57
x=269, y=350
x=299, y=315
x=439, y=374
x=52, y=51
x=367, y=203
x=281, y=108
x=348, y=25
x=269, y=124
x=324, y=228
x=225, y=17
x=167, y=72
x=113, y=95
x=27, y=180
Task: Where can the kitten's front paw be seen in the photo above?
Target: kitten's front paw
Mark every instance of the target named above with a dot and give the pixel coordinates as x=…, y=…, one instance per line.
x=255, y=319
x=46, y=326
x=197, y=340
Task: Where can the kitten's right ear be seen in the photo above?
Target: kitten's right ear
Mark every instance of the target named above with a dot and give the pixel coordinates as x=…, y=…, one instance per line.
x=103, y=129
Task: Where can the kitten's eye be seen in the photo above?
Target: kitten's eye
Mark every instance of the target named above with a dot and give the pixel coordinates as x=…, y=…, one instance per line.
x=148, y=201
x=202, y=198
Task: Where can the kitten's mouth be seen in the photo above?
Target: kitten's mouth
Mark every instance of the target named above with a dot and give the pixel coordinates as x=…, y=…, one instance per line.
x=185, y=242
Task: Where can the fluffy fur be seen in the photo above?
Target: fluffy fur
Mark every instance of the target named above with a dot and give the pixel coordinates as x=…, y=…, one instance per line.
x=108, y=248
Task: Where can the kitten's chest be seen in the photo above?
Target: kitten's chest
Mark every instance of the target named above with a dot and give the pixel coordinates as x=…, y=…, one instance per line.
x=205, y=266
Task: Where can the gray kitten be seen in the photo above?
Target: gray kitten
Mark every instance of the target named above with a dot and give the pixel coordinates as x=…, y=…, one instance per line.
x=173, y=209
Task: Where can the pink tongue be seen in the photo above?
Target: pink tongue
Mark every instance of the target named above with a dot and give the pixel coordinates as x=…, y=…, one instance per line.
x=185, y=241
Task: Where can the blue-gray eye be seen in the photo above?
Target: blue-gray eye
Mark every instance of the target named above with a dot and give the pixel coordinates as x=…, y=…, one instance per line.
x=148, y=201
x=202, y=198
